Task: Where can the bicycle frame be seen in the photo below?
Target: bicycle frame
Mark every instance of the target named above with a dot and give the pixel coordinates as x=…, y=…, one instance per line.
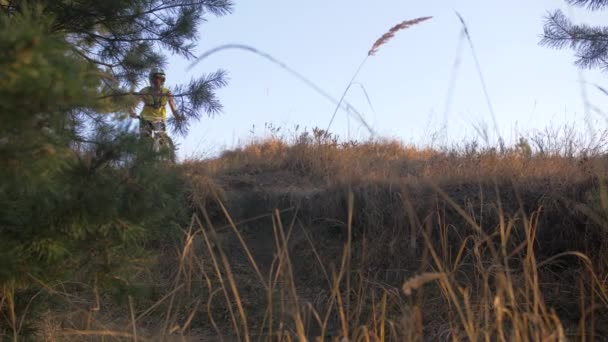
x=159, y=137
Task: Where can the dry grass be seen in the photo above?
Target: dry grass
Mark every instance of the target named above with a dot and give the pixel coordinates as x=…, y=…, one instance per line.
x=486, y=282
x=372, y=51
x=391, y=33
x=322, y=241
x=324, y=160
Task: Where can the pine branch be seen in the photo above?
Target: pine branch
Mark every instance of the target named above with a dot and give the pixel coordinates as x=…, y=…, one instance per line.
x=135, y=93
x=168, y=25
x=590, y=43
x=592, y=5
x=92, y=60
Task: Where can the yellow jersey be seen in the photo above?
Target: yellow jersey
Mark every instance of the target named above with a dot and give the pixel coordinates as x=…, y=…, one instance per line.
x=155, y=103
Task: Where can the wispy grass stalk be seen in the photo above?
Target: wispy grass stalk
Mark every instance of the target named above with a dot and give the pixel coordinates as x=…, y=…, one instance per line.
x=372, y=51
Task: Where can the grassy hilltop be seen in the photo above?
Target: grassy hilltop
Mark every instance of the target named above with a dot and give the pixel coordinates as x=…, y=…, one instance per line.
x=376, y=241
x=380, y=241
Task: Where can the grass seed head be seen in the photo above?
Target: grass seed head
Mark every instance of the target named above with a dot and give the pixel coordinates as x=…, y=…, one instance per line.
x=391, y=33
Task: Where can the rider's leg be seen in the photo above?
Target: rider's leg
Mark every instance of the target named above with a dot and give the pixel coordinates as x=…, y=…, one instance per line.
x=145, y=130
x=167, y=142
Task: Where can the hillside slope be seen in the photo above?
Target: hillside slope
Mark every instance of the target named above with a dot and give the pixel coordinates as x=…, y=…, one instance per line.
x=333, y=240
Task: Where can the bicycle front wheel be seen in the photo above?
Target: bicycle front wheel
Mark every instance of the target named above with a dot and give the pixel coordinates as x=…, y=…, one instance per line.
x=166, y=145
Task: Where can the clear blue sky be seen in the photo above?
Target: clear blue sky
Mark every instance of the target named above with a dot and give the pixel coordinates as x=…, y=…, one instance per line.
x=530, y=86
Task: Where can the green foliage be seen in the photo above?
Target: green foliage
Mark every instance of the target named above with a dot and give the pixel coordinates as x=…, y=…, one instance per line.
x=589, y=42
x=125, y=38
x=81, y=196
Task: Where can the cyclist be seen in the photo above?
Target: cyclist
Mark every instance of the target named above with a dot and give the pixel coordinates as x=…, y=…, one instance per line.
x=155, y=98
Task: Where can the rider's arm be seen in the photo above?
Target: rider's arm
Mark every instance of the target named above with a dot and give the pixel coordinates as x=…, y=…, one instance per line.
x=132, y=108
x=173, y=106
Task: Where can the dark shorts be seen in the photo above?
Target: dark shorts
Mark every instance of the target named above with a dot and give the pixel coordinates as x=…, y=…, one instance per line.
x=146, y=127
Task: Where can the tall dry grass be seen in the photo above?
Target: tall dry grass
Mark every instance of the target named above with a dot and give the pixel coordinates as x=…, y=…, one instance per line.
x=489, y=287
x=325, y=241
x=321, y=158
x=392, y=31
x=387, y=36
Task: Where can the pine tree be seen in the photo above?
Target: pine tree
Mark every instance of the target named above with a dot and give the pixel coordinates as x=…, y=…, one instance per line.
x=590, y=43
x=80, y=195
x=125, y=38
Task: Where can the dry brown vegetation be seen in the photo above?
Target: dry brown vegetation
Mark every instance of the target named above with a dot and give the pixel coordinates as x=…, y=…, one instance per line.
x=377, y=241
x=511, y=244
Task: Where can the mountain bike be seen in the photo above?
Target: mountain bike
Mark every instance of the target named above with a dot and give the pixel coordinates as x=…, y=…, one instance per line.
x=161, y=142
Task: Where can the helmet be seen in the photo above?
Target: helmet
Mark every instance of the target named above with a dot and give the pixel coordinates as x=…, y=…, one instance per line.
x=156, y=72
